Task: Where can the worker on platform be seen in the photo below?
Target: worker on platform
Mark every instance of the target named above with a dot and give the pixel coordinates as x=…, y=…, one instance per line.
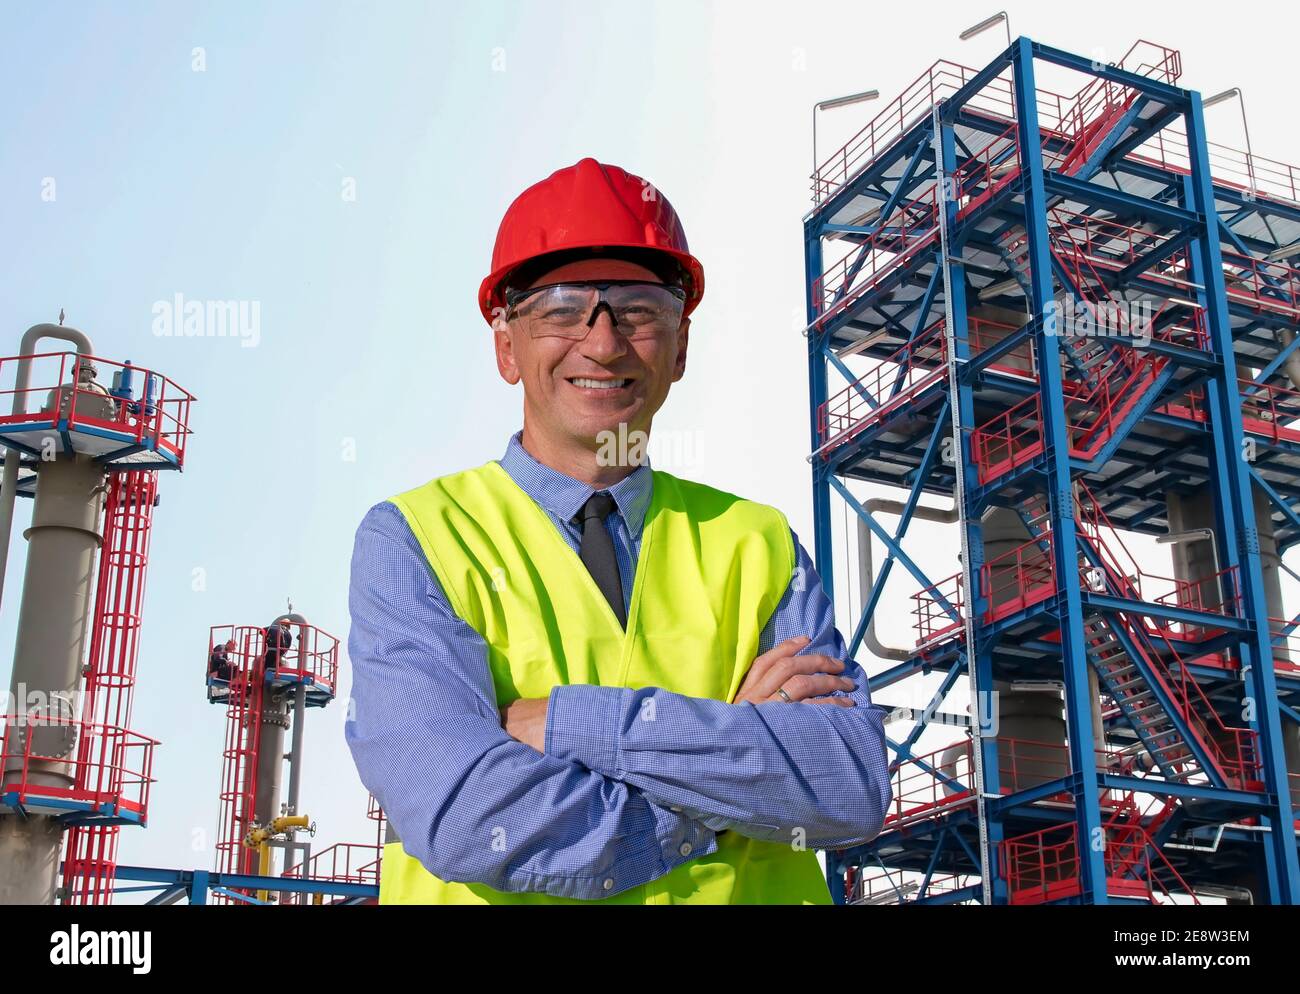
x=278, y=641
x=220, y=665
x=578, y=678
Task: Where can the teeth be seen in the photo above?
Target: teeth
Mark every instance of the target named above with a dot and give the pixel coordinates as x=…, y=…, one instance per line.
x=581, y=381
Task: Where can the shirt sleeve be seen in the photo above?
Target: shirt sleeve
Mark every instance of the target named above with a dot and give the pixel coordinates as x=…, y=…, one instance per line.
x=775, y=771
x=468, y=801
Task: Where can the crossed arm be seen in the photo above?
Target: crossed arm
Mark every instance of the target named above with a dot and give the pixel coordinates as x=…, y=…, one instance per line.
x=612, y=800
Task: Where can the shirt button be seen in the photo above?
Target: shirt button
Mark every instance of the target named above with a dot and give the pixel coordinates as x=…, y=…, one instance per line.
x=684, y=849
x=678, y=810
x=609, y=883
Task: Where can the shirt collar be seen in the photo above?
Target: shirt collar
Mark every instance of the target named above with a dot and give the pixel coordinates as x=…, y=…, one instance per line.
x=564, y=496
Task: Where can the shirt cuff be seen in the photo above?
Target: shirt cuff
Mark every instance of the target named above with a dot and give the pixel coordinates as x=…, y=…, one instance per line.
x=582, y=725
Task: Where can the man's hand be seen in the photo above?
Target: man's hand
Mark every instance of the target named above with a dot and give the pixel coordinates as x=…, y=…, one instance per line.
x=803, y=678
x=525, y=720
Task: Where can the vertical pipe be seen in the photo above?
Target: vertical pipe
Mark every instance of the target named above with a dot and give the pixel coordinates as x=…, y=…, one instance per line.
x=295, y=751
x=9, y=486
x=1235, y=514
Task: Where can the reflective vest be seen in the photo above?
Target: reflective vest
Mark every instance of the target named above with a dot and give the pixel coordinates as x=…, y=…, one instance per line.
x=712, y=569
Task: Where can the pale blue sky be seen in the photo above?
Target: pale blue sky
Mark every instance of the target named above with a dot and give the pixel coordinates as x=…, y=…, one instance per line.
x=226, y=184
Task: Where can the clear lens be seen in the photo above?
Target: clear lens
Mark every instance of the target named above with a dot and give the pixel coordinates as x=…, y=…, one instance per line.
x=640, y=310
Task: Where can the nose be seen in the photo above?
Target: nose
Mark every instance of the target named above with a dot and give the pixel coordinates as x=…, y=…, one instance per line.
x=604, y=343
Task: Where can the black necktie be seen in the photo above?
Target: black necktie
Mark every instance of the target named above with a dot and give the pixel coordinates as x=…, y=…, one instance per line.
x=597, y=551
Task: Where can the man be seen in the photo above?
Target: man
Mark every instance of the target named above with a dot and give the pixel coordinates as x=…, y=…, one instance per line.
x=278, y=641
x=220, y=665
x=577, y=678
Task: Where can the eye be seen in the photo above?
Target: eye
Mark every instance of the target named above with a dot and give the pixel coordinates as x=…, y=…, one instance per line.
x=560, y=314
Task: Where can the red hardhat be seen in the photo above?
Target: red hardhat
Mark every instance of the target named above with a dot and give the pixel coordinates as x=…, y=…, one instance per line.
x=589, y=205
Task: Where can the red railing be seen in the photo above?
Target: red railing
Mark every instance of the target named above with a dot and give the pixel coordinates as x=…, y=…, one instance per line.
x=1044, y=866
x=1218, y=594
x=142, y=407
x=1012, y=582
x=1019, y=577
x=919, y=793
x=1286, y=643
x=109, y=775
x=942, y=780
x=1009, y=439
x=1269, y=410
x=238, y=787
x=1061, y=115
x=990, y=169
x=938, y=610
x=911, y=230
x=1230, y=166
x=1020, y=361
x=889, y=383
x=343, y=862
x=900, y=885
x=1015, y=436
x=90, y=849
x=941, y=80
x=1100, y=244
x=1232, y=750
x=313, y=657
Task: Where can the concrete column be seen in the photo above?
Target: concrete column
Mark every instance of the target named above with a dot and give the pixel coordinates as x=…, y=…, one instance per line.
x=1197, y=562
x=1028, y=715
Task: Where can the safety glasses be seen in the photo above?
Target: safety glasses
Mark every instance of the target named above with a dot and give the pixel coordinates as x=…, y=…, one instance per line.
x=638, y=309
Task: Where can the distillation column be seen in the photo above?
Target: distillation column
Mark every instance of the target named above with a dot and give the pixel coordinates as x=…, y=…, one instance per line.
x=58, y=596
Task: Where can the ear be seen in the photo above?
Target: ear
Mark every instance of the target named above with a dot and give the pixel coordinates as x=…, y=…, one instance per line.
x=683, y=334
x=503, y=343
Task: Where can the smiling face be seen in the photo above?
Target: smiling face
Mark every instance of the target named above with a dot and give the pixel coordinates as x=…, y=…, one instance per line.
x=576, y=390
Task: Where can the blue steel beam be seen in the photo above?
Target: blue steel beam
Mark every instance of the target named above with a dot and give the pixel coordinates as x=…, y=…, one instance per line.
x=818, y=393
x=1092, y=868
x=1238, y=537
x=1164, y=92
x=1118, y=201
x=1093, y=164
x=917, y=573
x=878, y=582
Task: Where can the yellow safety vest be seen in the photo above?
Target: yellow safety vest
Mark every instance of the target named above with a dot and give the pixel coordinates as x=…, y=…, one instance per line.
x=711, y=571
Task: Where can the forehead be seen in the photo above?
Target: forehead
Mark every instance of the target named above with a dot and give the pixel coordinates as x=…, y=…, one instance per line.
x=596, y=269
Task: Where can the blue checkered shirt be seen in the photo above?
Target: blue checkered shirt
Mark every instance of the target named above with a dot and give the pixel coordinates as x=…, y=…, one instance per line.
x=612, y=802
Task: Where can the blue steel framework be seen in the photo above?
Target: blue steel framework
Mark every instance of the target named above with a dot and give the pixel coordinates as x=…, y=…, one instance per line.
x=169, y=886
x=966, y=195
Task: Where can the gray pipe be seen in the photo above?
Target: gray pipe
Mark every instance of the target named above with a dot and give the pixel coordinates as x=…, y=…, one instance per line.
x=299, y=724
x=866, y=569
x=271, y=754
x=9, y=485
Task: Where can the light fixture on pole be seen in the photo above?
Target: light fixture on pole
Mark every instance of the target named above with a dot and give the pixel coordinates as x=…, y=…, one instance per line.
x=983, y=26
x=987, y=23
x=852, y=98
x=1219, y=98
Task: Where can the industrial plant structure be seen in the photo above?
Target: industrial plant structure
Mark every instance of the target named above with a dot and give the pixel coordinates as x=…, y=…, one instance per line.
x=70, y=762
x=1066, y=320
x=1057, y=322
